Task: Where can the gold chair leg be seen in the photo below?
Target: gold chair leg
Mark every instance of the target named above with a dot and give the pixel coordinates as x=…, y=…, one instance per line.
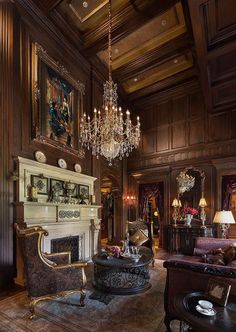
x=82, y=297
x=32, y=309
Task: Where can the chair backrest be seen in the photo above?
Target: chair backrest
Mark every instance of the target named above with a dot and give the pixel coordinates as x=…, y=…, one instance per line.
x=35, y=265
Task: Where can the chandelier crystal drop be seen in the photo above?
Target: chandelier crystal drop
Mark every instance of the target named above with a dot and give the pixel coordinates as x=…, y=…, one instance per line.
x=108, y=133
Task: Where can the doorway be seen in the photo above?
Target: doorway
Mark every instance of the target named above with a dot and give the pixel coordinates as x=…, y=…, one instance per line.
x=151, y=206
x=110, y=215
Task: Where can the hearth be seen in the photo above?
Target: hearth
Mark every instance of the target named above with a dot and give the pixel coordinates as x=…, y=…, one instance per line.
x=68, y=243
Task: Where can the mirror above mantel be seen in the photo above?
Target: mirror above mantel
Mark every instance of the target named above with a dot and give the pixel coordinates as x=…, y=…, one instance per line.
x=190, y=198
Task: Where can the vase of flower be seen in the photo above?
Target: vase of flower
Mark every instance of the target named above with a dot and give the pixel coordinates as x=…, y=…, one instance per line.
x=188, y=219
x=189, y=213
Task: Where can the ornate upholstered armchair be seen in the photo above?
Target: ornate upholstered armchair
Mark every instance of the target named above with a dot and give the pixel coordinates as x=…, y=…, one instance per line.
x=48, y=275
x=141, y=234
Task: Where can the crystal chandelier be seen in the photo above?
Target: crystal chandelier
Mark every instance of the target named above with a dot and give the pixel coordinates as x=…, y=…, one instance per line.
x=185, y=182
x=108, y=133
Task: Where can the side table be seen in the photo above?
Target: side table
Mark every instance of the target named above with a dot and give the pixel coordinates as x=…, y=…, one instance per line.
x=224, y=320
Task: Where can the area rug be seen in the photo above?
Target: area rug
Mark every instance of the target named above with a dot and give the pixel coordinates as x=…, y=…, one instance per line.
x=134, y=313
x=102, y=297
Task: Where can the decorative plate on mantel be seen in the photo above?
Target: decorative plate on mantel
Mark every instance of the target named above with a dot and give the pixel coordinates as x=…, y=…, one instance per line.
x=77, y=168
x=40, y=157
x=62, y=163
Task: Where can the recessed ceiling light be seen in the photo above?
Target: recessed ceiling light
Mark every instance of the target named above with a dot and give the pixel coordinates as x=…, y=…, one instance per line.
x=175, y=60
x=116, y=50
x=136, y=79
x=163, y=22
x=85, y=4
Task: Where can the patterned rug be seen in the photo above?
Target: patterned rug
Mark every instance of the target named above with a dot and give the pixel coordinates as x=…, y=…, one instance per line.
x=134, y=313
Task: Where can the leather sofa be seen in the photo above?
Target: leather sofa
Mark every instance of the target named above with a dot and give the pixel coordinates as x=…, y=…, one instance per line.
x=186, y=274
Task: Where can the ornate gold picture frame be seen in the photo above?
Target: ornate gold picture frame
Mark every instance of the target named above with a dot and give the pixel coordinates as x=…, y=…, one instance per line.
x=57, y=103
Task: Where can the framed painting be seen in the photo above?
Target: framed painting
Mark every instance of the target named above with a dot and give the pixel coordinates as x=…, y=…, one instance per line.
x=57, y=184
x=218, y=291
x=57, y=99
x=83, y=194
x=41, y=183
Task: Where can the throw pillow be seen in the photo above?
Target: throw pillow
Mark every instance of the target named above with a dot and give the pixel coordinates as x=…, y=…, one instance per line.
x=230, y=254
x=138, y=238
x=214, y=259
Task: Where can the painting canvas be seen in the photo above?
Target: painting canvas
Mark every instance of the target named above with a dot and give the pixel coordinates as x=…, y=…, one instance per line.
x=58, y=108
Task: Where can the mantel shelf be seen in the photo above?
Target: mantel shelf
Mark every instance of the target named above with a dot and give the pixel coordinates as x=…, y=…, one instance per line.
x=64, y=205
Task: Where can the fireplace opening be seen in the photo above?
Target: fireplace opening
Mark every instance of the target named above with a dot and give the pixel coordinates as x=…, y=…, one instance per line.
x=68, y=243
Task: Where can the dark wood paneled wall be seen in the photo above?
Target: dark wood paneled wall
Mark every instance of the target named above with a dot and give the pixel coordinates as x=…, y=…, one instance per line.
x=178, y=128
x=6, y=138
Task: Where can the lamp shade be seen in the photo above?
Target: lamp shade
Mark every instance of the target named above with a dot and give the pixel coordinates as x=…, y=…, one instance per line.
x=202, y=202
x=175, y=202
x=224, y=217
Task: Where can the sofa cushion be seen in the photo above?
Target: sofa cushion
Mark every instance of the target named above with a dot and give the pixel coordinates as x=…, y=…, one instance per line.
x=217, y=259
x=138, y=238
x=230, y=253
x=215, y=256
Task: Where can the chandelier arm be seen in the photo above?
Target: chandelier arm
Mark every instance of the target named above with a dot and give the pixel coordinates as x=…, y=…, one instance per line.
x=109, y=41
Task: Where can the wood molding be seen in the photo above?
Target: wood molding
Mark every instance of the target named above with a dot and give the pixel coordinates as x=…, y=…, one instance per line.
x=202, y=152
x=184, y=88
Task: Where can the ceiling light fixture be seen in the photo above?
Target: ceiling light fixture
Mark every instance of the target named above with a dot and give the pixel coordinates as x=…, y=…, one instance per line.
x=108, y=134
x=85, y=4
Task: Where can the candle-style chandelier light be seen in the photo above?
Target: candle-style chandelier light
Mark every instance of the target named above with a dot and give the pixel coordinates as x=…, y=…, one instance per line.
x=108, y=134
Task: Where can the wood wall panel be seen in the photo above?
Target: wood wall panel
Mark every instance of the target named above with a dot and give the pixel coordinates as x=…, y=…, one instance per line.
x=162, y=114
x=233, y=124
x=220, y=21
x=147, y=119
x=148, y=142
x=179, y=108
x=219, y=127
x=178, y=135
x=196, y=131
x=224, y=94
x=162, y=139
x=196, y=105
x=223, y=67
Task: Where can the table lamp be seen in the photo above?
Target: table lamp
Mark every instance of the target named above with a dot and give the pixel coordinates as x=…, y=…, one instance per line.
x=176, y=204
x=203, y=204
x=224, y=218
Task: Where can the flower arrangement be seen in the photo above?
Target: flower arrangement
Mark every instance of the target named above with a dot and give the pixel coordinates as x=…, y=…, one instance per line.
x=113, y=250
x=189, y=210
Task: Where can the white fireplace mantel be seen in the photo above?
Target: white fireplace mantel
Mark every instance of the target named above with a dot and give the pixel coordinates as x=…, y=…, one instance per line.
x=59, y=219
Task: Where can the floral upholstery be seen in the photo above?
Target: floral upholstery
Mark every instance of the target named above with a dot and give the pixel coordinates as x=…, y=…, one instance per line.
x=48, y=275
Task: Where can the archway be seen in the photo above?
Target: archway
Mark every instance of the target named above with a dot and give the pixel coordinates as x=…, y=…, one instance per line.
x=111, y=200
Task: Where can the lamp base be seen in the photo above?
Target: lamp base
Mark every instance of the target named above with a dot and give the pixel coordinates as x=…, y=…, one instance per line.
x=224, y=231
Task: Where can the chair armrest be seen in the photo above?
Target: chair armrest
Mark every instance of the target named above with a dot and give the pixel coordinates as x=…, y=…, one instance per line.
x=59, y=257
x=72, y=265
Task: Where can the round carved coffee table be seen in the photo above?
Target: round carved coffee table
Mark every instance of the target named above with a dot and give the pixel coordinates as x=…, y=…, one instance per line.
x=122, y=275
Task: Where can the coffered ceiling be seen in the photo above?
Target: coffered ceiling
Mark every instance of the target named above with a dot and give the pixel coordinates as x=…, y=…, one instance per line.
x=152, y=45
